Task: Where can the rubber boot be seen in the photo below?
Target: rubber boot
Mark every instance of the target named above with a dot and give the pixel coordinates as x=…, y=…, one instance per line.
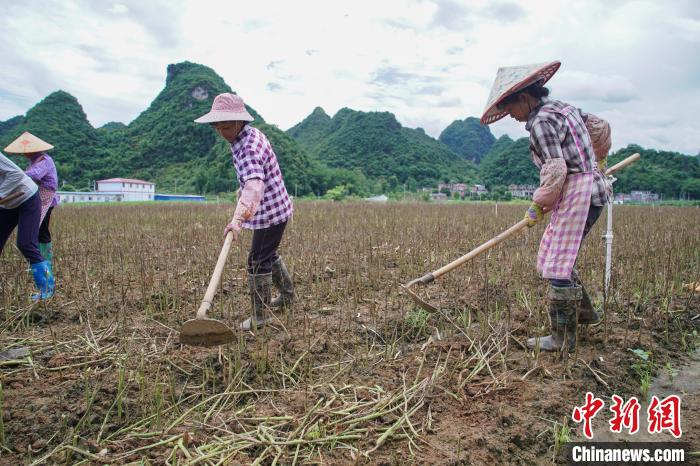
x=43, y=279
x=46, y=251
x=563, y=304
x=283, y=282
x=586, y=314
x=259, y=285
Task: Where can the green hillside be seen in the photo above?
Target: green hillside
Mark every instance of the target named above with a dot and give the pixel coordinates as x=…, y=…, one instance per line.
x=670, y=174
x=360, y=152
x=508, y=162
x=377, y=146
x=60, y=120
x=9, y=126
x=163, y=144
x=468, y=138
x=312, y=129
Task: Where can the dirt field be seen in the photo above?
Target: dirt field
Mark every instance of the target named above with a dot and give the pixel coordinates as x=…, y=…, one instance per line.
x=354, y=372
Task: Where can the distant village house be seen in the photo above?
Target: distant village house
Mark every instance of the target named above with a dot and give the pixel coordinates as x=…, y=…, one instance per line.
x=130, y=189
x=639, y=197
x=479, y=189
x=112, y=190
x=65, y=197
x=462, y=189
x=523, y=191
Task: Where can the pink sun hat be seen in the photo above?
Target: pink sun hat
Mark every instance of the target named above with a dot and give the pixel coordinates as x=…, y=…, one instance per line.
x=511, y=79
x=226, y=107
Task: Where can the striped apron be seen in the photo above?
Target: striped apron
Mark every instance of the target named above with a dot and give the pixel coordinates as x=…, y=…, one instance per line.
x=562, y=236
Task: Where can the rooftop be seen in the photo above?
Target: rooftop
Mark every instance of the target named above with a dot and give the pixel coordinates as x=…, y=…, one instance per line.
x=123, y=180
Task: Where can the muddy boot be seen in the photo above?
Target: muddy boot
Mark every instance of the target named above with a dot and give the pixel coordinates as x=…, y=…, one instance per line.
x=259, y=286
x=563, y=303
x=586, y=314
x=283, y=282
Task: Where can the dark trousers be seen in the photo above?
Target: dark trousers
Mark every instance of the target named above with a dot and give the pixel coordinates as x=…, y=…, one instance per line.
x=263, y=250
x=44, y=232
x=26, y=218
x=593, y=213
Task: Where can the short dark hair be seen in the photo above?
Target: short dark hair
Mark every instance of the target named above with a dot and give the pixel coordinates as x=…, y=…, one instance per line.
x=536, y=90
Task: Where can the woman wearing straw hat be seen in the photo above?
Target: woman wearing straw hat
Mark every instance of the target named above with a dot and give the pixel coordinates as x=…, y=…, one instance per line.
x=264, y=205
x=42, y=171
x=20, y=207
x=571, y=187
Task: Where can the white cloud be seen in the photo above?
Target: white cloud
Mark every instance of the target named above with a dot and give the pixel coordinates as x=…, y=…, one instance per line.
x=428, y=61
x=119, y=8
x=580, y=86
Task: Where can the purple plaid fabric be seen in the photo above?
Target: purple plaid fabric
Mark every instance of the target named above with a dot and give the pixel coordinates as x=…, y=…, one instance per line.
x=557, y=130
x=43, y=171
x=562, y=237
x=253, y=157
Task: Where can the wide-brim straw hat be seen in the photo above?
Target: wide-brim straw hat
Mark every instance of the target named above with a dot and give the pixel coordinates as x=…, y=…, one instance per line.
x=511, y=79
x=27, y=143
x=226, y=107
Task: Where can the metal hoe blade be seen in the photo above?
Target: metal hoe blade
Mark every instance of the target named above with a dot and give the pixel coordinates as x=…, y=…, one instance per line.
x=418, y=300
x=205, y=332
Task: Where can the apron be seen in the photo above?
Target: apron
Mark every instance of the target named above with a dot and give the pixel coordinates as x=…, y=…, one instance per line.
x=562, y=237
x=46, y=196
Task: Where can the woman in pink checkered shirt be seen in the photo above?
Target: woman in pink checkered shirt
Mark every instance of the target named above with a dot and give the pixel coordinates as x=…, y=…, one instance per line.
x=571, y=187
x=263, y=206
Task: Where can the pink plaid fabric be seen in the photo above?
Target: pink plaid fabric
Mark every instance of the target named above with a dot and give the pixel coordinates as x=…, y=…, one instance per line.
x=562, y=237
x=253, y=157
x=47, y=197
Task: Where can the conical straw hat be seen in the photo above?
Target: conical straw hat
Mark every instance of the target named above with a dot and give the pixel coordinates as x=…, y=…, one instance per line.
x=27, y=143
x=511, y=79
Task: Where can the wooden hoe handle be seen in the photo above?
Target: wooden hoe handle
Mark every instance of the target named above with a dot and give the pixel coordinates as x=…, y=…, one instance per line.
x=12, y=196
x=215, y=278
x=632, y=158
x=472, y=254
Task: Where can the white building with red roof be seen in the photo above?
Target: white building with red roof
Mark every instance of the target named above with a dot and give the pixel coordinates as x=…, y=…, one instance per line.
x=130, y=189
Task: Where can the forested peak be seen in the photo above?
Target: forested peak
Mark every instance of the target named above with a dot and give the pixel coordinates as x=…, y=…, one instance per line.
x=468, y=138
x=380, y=120
x=57, y=102
x=187, y=68
x=319, y=112
x=189, y=91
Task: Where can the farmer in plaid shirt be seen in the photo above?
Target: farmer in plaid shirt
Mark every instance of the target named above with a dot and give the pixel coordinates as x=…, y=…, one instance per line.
x=263, y=206
x=571, y=187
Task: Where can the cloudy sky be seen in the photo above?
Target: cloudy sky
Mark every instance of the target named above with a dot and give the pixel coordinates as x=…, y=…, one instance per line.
x=429, y=62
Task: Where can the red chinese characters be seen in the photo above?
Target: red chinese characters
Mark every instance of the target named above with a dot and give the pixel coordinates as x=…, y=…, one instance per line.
x=625, y=415
x=587, y=412
x=665, y=415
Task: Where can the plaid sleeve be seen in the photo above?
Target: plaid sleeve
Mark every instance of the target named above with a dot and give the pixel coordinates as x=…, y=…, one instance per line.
x=251, y=165
x=546, y=140
x=38, y=169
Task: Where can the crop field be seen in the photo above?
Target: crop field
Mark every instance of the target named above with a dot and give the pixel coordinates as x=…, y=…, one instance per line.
x=354, y=372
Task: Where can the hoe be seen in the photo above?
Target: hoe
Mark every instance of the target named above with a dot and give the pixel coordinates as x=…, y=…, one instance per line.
x=12, y=196
x=203, y=331
x=430, y=277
